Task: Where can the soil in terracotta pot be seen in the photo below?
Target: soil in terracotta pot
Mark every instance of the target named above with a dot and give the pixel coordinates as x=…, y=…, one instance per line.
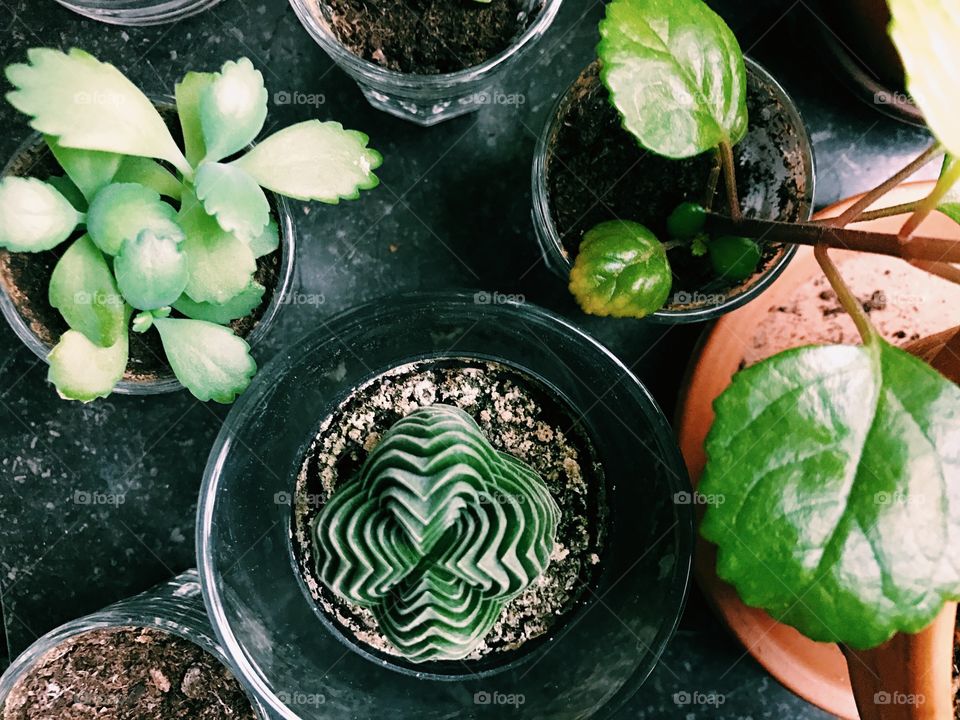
x=597, y=171
x=426, y=37
x=519, y=416
x=26, y=279
x=127, y=674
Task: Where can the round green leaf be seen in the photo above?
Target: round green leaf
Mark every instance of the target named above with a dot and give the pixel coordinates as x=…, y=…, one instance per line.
x=82, y=288
x=83, y=371
x=151, y=270
x=241, y=305
x=234, y=198
x=314, y=160
x=835, y=474
x=676, y=74
x=621, y=271
x=233, y=109
x=122, y=211
x=210, y=361
x=34, y=216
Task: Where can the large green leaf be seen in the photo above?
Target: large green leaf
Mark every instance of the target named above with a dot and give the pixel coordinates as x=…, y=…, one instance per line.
x=925, y=34
x=676, y=74
x=240, y=305
x=150, y=174
x=188, y=93
x=233, y=109
x=220, y=264
x=151, y=270
x=835, y=472
x=90, y=105
x=314, y=160
x=34, y=216
x=90, y=170
x=83, y=371
x=234, y=198
x=82, y=288
x=210, y=361
x=122, y=211
x=621, y=270
x=267, y=241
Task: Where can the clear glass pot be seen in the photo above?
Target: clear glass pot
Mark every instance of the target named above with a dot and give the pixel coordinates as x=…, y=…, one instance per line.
x=175, y=607
x=424, y=99
x=280, y=639
x=138, y=12
x=34, y=158
x=775, y=172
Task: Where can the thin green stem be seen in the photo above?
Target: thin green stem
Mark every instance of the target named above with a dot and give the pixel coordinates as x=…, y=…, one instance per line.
x=730, y=179
x=901, y=209
x=928, y=204
x=848, y=300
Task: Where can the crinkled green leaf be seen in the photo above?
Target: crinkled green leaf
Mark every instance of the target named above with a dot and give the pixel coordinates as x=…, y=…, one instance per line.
x=233, y=109
x=234, y=198
x=83, y=289
x=71, y=192
x=240, y=305
x=90, y=170
x=925, y=34
x=210, y=361
x=83, y=371
x=188, y=93
x=220, y=264
x=122, y=211
x=676, y=74
x=836, y=471
x=266, y=242
x=150, y=174
x=34, y=216
x=314, y=160
x=151, y=270
x=621, y=270
x=90, y=105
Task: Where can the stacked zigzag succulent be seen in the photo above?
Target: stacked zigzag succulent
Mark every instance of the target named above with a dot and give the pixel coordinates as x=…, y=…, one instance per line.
x=436, y=534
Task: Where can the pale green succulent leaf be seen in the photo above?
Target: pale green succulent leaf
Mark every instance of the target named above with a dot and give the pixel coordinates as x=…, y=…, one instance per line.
x=233, y=198
x=150, y=174
x=83, y=289
x=314, y=160
x=266, y=242
x=208, y=359
x=122, y=211
x=84, y=371
x=240, y=305
x=90, y=170
x=151, y=270
x=188, y=93
x=34, y=215
x=71, y=192
x=233, y=109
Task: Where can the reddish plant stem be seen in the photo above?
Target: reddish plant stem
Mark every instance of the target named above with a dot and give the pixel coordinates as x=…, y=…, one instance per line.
x=928, y=204
x=730, y=179
x=940, y=269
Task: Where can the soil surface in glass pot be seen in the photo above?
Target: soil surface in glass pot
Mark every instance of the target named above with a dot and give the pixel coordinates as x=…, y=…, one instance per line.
x=26, y=279
x=519, y=416
x=427, y=37
x=127, y=673
x=597, y=171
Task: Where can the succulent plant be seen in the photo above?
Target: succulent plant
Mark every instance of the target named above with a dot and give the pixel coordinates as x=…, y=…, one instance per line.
x=436, y=533
x=170, y=236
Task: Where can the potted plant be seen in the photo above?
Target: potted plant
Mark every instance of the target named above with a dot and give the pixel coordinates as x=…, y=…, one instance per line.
x=138, y=12
x=153, y=654
x=628, y=162
x=143, y=236
x=429, y=60
x=441, y=528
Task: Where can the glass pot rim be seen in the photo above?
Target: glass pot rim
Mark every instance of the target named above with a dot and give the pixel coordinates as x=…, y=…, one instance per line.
x=125, y=12
x=552, y=248
x=429, y=84
x=169, y=384
x=254, y=401
x=171, y=613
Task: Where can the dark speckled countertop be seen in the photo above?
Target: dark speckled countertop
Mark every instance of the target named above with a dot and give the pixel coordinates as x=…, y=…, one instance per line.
x=452, y=211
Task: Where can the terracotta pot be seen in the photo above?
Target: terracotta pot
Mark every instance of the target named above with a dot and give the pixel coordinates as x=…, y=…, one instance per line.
x=776, y=321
